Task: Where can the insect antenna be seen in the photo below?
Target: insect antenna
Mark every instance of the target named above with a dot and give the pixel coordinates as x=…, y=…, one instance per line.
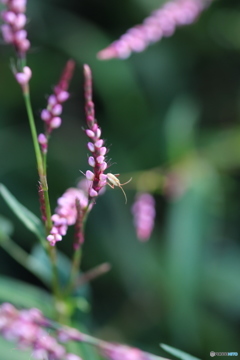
x=124, y=194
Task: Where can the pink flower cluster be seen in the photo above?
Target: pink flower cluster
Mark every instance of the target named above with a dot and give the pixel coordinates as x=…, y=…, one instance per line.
x=66, y=213
x=161, y=23
x=25, y=328
x=51, y=115
x=144, y=215
x=96, y=146
x=13, y=30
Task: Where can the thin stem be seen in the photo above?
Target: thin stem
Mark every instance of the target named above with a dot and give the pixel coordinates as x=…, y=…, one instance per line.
x=77, y=253
x=35, y=140
x=76, y=260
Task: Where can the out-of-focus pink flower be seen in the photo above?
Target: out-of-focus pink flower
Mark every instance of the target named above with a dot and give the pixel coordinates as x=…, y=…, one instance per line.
x=25, y=327
x=143, y=211
x=97, y=160
x=66, y=213
x=161, y=23
x=13, y=30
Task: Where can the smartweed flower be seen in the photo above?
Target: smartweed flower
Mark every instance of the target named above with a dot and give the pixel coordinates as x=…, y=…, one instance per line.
x=67, y=213
x=161, y=23
x=25, y=328
x=96, y=146
x=13, y=30
x=144, y=214
x=51, y=115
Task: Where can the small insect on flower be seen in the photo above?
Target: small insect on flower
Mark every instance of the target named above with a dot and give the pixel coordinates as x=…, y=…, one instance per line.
x=113, y=181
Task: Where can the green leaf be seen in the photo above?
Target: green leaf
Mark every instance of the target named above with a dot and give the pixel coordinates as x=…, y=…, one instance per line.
x=31, y=221
x=24, y=295
x=10, y=351
x=63, y=267
x=178, y=353
x=6, y=226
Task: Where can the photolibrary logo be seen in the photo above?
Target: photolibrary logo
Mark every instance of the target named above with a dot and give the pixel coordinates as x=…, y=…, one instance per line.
x=213, y=353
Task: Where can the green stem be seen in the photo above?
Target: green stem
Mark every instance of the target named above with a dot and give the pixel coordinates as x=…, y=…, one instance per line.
x=35, y=139
x=77, y=255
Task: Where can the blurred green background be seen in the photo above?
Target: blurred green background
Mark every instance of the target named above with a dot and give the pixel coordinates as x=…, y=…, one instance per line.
x=174, y=107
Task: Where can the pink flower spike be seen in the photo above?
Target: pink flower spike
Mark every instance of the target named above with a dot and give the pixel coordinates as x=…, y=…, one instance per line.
x=144, y=215
x=162, y=22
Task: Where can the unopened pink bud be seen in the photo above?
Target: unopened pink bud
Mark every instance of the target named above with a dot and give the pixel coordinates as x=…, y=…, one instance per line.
x=90, y=133
x=93, y=193
x=7, y=33
x=19, y=5
x=90, y=175
x=57, y=110
x=91, y=147
x=102, y=150
x=45, y=115
x=42, y=139
x=91, y=161
x=55, y=122
x=98, y=134
x=52, y=100
x=63, y=96
x=24, y=77
x=99, y=143
x=100, y=159
x=20, y=21
x=20, y=35
x=9, y=17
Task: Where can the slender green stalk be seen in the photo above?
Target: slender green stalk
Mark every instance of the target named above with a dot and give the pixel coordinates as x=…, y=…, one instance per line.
x=35, y=140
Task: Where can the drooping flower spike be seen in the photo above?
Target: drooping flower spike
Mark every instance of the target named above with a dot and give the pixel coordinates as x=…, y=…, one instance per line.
x=161, y=23
x=13, y=30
